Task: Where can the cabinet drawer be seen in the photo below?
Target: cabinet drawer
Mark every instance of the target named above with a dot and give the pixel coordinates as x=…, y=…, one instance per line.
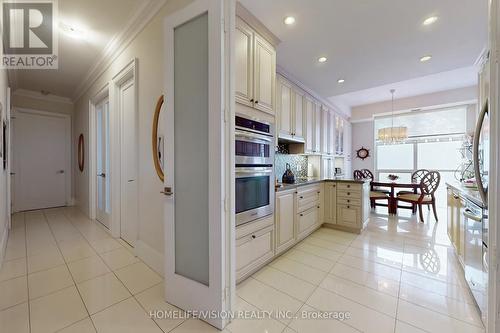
x=349, y=201
x=348, y=215
x=253, y=248
x=308, y=219
x=308, y=198
x=349, y=194
x=349, y=187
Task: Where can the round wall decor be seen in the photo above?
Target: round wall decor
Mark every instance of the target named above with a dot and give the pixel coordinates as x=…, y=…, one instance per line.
x=157, y=158
x=81, y=153
x=363, y=153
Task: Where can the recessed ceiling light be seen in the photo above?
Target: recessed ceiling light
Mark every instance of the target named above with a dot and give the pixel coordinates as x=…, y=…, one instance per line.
x=425, y=58
x=341, y=81
x=322, y=59
x=289, y=20
x=430, y=20
x=72, y=31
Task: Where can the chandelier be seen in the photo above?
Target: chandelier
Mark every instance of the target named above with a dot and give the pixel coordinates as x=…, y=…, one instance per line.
x=393, y=134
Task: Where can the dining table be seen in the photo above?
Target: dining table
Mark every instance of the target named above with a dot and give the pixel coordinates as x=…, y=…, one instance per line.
x=393, y=185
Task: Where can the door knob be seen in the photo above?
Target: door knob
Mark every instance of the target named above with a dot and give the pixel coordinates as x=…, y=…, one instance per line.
x=167, y=191
x=103, y=175
x=60, y=171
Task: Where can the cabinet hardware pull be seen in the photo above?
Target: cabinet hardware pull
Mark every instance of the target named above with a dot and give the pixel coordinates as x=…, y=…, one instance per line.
x=301, y=215
x=348, y=207
x=251, y=100
x=348, y=193
x=319, y=192
x=253, y=237
x=348, y=200
x=348, y=186
x=318, y=207
x=256, y=102
x=301, y=197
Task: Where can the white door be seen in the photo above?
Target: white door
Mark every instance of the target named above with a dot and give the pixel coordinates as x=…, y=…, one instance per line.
x=129, y=211
x=265, y=74
x=195, y=249
x=41, y=155
x=103, y=195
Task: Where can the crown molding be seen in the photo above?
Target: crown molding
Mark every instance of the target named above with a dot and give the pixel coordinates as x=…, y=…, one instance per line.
x=119, y=43
x=39, y=96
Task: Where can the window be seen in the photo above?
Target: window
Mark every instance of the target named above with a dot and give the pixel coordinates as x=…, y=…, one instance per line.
x=395, y=157
x=439, y=155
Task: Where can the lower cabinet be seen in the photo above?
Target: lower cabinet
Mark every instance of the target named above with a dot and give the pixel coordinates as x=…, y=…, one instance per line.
x=456, y=223
x=348, y=216
x=254, y=246
x=330, y=206
x=285, y=220
x=308, y=210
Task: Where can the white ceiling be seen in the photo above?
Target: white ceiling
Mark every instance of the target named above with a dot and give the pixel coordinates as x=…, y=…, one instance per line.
x=457, y=78
x=100, y=20
x=374, y=43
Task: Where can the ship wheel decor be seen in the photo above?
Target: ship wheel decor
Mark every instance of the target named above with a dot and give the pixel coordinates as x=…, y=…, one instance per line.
x=81, y=153
x=363, y=153
x=157, y=151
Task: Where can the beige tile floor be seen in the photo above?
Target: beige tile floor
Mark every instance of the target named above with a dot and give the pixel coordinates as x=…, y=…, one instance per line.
x=64, y=273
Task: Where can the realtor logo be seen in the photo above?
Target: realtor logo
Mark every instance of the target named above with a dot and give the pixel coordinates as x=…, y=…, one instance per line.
x=29, y=35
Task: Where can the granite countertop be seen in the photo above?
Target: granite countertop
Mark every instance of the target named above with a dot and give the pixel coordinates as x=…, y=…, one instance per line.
x=468, y=193
x=309, y=181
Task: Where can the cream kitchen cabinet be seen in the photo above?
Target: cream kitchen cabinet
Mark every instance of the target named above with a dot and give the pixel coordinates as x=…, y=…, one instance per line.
x=339, y=139
x=353, y=206
x=327, y=170
x=317, y=128
x=254, y=246
x=309, y=113
x=285, y=220
x=325, y=129
x=456, y=226
x=331, y=134
x=330, y=207
x=255, y=65
x=290, y=111
x=308, y=210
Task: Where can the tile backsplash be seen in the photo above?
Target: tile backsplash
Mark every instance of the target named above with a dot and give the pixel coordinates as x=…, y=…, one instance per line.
x=298, y=164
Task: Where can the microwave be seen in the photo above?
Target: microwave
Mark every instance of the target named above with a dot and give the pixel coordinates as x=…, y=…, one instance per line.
x=254, y=142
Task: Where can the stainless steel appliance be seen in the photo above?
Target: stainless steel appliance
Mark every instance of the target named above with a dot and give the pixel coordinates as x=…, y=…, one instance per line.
x=254, y=193
x=476, y=253
x=254, y=142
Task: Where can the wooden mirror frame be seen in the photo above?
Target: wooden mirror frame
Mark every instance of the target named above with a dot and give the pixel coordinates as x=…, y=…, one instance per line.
x=81, y=153
x=154, y=141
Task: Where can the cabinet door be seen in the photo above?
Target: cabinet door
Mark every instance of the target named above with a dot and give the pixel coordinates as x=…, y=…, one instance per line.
x=349, y=216
x=264, y=75
x=243, y=63
x=309, y=114
x=324, y=130
x=298, y=115
x=341, y=136
x=317, y=128
x=330, y=208
x=331, y=134
x=285, y=219
x=284, y=99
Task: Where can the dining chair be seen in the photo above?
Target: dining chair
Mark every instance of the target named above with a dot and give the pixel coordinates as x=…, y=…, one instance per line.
x=416, y=177
x=428, y=186
x=375, y=194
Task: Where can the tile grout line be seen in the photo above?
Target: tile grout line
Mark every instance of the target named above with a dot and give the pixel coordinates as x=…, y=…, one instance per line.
x=27, y=284
x=121, y=282
x=72, y=278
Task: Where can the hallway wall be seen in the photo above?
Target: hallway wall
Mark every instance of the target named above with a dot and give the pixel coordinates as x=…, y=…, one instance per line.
x=4, y=219
x=147, y=47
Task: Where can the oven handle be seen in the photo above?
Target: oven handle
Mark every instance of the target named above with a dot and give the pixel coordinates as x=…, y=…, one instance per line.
x=467, y=213
x=254, y=170
x=253, y=136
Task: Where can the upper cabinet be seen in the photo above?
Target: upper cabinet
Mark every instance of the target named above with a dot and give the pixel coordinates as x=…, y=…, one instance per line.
x=255, y=65
x=339, y=140
x=290, y=111
x=310, y=125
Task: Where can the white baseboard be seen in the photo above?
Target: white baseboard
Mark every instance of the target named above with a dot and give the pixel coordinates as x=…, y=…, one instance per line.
x=150, y=256
x=3, y=243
